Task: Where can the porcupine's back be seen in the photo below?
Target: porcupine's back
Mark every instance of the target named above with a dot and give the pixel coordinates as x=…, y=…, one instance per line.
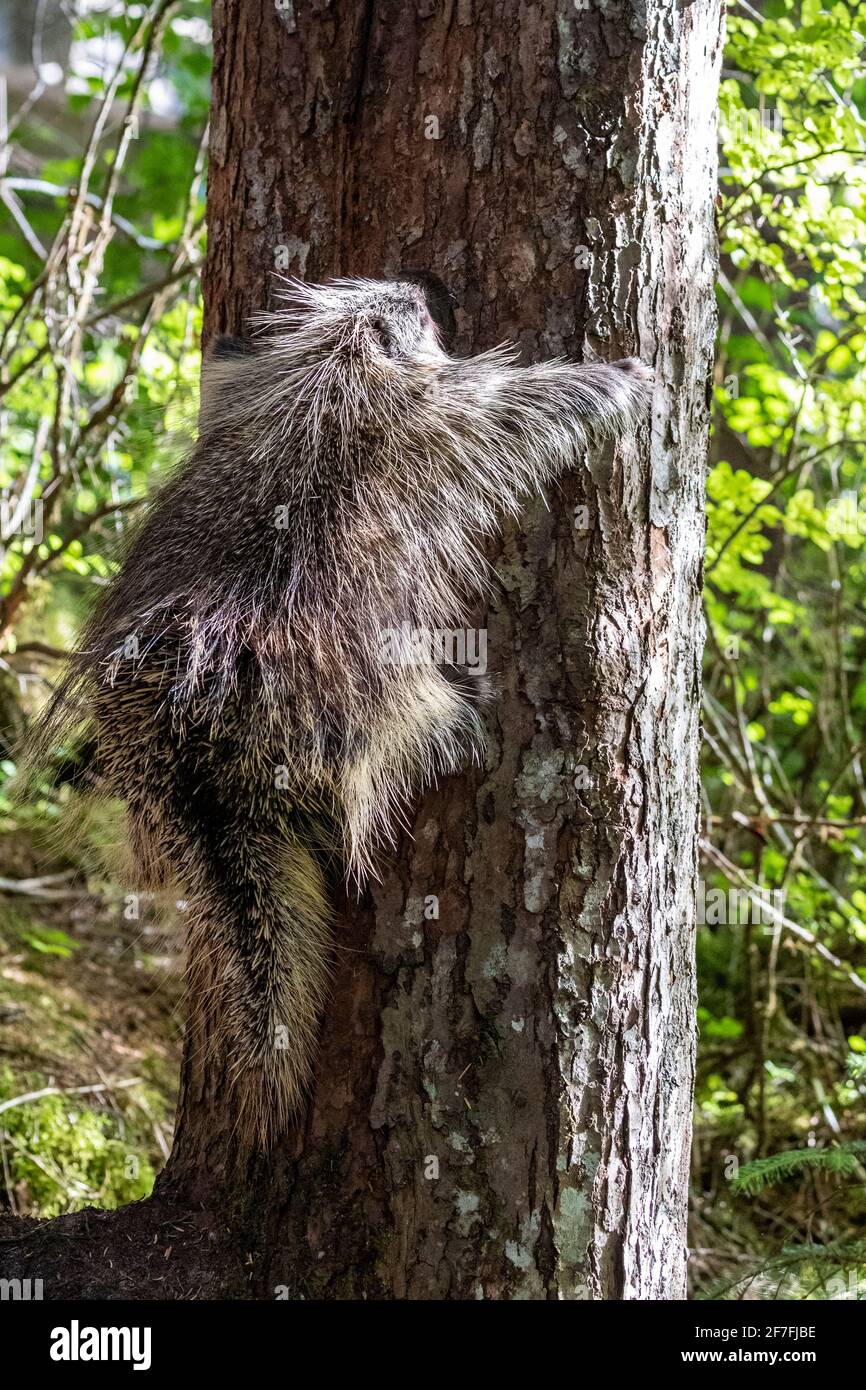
x=223, y=679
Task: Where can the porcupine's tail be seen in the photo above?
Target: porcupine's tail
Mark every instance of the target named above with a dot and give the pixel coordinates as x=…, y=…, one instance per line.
x=258, y=950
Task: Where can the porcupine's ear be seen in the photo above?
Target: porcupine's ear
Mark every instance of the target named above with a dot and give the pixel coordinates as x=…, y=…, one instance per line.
x=224, y=345
x=440, y=300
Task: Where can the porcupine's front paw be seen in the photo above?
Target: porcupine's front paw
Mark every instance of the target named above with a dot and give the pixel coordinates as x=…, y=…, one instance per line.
x=630, y=382
x=639, y=377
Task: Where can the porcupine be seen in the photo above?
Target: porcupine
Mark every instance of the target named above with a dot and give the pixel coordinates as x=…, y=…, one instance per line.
x=346, y=475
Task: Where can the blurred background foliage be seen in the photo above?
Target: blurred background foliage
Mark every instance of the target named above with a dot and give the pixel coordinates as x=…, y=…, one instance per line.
x=103, y=124
x=100, y=243
x=779, y=1205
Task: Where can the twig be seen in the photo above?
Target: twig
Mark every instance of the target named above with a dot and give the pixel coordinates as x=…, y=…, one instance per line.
x=70, y=1091
x=41, y=649
x=31, y=888
x=57, y=190
x=760, y=822
x=735, y=875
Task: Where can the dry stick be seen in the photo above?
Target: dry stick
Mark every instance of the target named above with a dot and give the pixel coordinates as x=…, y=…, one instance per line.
x=59, y=190
x=761, y=822
x=735, y=875
x=83, y=525
x=42, y=649
x=92, y=149
x=28, y=484
x=151, y=44
x=33, y=563
x=69, y=235
x=13, y=205
x=95, y=251
x=183, y=255
x=187, y=268
x=44, y=879
x=153, y=26
x=30, y=888
x=776, y=825
x=157, y=1129
x=730, y=756
x=746, y=315
x=70, y=1091
x=752, y=782
x=103, y=413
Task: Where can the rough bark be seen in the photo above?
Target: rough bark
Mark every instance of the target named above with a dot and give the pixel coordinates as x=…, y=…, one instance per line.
x=534, y=1044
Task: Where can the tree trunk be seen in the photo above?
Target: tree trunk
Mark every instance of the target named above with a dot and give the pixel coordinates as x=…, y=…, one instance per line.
x=503, y=1095
x=502, y=1102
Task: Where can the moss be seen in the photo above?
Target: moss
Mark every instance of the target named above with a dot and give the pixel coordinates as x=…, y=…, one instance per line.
x=61, y=1153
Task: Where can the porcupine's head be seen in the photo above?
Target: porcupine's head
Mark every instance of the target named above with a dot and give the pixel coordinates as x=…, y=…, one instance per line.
x=377, y=321
x=339, y=341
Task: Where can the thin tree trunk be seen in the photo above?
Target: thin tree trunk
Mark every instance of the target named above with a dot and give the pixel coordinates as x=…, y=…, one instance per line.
x=503, y=1095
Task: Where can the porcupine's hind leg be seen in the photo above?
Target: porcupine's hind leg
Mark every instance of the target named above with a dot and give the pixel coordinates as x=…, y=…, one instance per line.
x=427, y=727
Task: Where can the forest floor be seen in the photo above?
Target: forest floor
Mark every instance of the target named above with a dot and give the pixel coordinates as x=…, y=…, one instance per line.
x=90, y=996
